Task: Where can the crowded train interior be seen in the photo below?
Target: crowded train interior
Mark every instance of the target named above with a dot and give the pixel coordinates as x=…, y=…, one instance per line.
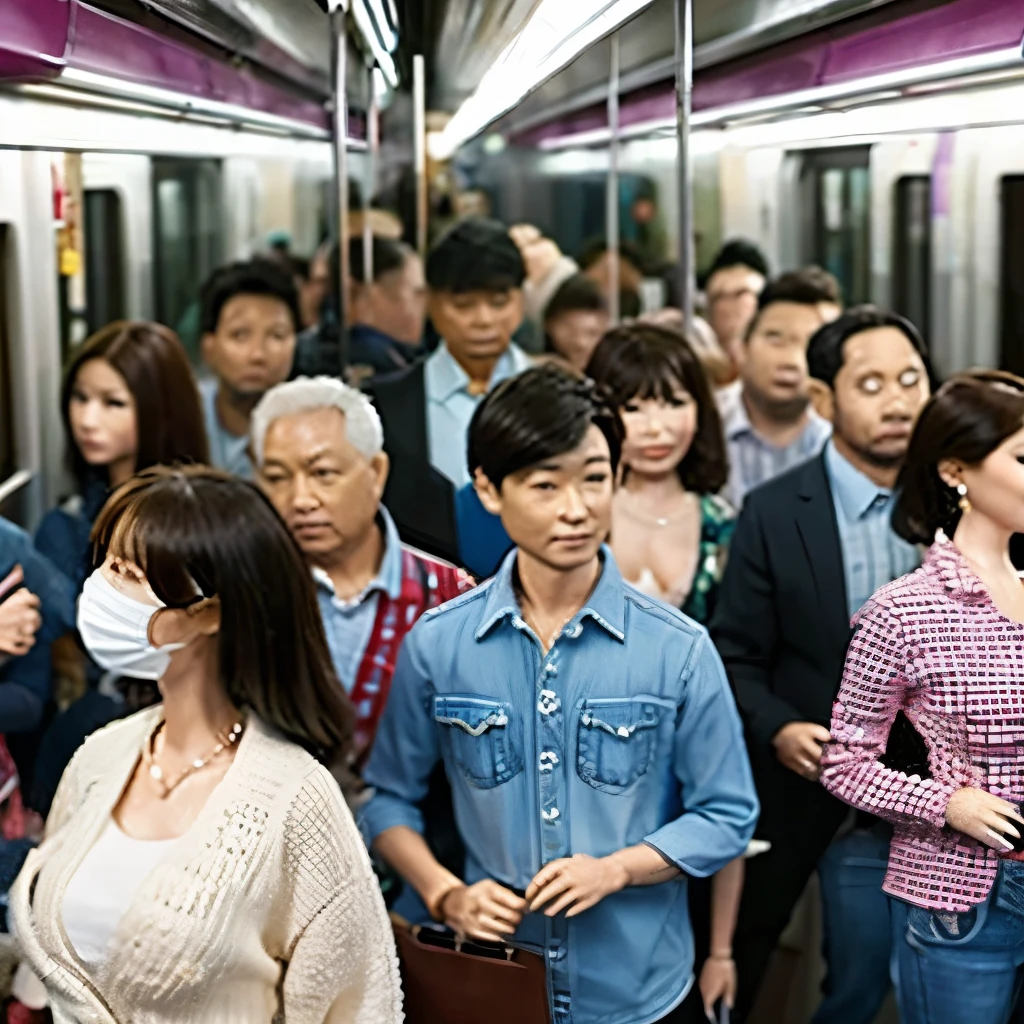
x=509, y=511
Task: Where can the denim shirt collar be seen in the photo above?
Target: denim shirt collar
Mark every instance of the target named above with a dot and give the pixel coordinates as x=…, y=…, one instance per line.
x=606, y=605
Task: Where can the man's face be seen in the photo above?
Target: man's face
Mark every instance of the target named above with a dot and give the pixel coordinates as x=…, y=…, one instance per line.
x=575, y=334
x=559, y=511
x=324, y=488
x=774, y=366
x=878, y=394
x=477, y=325
x=398, y=302
x=253, y=346
x=732, y=302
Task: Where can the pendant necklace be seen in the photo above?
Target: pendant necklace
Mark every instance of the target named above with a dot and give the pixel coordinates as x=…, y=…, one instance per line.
x=226, y=738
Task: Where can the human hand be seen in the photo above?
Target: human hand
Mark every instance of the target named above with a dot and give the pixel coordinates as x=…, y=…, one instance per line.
x=19, y=621
x=485, y=911
x=798, y=746
x=578, y=882
x=982, y=816
x=718, y=980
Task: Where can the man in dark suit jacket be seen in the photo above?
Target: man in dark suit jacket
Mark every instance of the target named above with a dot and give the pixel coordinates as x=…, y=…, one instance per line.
x=475, y=275
x=809, y=549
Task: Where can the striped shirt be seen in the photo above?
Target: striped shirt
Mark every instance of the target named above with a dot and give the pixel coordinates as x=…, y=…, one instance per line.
x=754, y=461
x=873, y=555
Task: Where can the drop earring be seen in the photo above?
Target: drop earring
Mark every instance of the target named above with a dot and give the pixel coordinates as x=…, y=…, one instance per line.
x=964, y=502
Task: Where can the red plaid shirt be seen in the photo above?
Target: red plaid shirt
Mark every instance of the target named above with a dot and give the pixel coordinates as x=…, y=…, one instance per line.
x=933, y=645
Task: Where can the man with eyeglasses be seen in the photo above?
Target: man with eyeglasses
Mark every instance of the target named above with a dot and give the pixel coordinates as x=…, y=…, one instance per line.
x=737, y=275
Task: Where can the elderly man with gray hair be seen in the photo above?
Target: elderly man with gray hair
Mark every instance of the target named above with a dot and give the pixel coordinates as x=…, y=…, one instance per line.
x=318, y=448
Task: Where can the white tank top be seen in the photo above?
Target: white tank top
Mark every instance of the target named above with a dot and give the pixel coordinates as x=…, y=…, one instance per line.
x=104, y=886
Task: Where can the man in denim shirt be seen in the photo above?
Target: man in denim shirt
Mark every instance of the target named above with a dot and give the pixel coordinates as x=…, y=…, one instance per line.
x=594, y=751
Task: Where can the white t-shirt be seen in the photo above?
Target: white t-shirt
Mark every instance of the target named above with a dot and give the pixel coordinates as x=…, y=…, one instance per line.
x=104, y=886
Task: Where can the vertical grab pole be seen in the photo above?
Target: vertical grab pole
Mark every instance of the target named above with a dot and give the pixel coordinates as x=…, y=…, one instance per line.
x=612, y=196
x=419, y=92
x=339, y=37
x=370, y=185
x=684, y=164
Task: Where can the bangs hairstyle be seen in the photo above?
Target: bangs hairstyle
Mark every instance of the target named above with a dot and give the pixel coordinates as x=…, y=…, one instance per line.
x=181, y=527
x=475, y=255
x=261, y=276
x=966, y=420
x=642, y=360
x=536, y=416
x=168, y=411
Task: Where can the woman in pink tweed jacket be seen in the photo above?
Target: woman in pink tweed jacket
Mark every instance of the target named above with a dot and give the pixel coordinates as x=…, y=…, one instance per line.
x=945, y=646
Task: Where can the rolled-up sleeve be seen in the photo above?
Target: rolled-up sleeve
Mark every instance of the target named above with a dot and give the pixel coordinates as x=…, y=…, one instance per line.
x=710, y=760
x=406, y=748
x=876, y=680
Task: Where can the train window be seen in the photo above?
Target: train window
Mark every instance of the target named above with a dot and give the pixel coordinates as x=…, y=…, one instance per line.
x=912, y=250
x=1011, y=343
x=104, y=259
x=836, y=191
x=7, y=454
x=187, y=239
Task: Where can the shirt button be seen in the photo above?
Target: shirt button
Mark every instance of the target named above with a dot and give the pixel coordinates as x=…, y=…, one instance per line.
x=548, y=703
x=548, y=760
x=551, y=815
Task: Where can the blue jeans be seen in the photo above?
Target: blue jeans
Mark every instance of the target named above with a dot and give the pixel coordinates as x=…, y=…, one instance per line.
x=957, y=968
x=857, y=930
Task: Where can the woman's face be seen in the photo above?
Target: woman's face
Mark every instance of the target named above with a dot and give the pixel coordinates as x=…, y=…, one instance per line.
x=659, y=432
x=103, y=417
x=995, y=487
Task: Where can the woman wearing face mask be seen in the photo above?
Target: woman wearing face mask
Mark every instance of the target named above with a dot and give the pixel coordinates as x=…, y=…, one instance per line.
x=129, y=401
x=200, y=863
x=670, y=534
x=944, y=646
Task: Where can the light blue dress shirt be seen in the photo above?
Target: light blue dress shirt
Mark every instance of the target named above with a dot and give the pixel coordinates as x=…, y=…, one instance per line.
x=349, y=624
x=450, y=407
x=625, y=732
x=754, y=461
x=873, y=554
x=227, y=451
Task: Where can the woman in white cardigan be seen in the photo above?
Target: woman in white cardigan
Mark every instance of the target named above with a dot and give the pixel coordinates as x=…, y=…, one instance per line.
x=200, y=864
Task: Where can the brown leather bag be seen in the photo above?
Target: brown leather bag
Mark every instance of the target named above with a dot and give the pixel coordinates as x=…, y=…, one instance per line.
x=446, y=981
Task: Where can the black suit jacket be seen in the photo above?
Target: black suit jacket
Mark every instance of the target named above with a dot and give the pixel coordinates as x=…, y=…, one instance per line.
x=420, y=499
x=782, y=623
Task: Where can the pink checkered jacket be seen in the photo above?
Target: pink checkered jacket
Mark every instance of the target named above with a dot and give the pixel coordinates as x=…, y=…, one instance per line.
x=933, y=645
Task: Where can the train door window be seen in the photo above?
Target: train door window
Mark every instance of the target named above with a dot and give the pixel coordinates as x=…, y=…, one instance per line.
x=912, y=250
x=1011, y=344
x=104, y=259
x=7, y=452
x=187, y=239
x=836, y=219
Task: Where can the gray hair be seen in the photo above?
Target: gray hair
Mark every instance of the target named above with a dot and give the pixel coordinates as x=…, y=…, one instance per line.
x=362, y=424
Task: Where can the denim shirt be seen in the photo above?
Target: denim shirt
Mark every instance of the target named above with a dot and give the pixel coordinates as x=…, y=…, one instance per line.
x=625, y=732
x=25, y=682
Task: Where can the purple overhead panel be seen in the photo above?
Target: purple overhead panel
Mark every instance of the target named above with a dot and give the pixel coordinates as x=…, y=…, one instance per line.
x=33, y=37
x=842, y=53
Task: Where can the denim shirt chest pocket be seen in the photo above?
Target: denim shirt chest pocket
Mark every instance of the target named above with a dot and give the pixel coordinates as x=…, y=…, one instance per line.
x=480, y=733
x=617, y=740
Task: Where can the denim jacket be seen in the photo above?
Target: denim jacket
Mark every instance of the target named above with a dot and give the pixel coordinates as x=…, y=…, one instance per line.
x=623, y=733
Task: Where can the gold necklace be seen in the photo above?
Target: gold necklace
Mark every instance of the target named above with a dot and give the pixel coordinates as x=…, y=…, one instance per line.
x=225, y=739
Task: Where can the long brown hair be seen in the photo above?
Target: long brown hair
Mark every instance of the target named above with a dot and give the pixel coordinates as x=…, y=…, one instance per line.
x=168, y=410
x=191, y=526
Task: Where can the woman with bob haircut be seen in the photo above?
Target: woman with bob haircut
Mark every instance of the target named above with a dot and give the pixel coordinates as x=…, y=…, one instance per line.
x=670, y=530
x=943, y=647
x=200, y=863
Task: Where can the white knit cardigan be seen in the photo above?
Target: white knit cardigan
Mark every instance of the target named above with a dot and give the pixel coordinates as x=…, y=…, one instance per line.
x=266, y=911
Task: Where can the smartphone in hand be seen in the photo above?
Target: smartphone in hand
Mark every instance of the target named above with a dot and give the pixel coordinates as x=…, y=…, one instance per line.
x=11, y=582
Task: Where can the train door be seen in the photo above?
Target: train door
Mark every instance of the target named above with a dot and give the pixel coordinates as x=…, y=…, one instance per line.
x=188, y=243
x=912, y=251
x=1011, y=290
x=836, y=217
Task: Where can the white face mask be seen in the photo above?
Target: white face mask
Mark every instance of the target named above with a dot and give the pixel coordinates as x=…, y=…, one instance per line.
x=115, y=631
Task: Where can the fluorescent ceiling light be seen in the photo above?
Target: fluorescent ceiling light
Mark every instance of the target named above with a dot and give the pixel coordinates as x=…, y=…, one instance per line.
x=386, y=33
x=557, y=32
x=383, y=59
x=148, y=94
